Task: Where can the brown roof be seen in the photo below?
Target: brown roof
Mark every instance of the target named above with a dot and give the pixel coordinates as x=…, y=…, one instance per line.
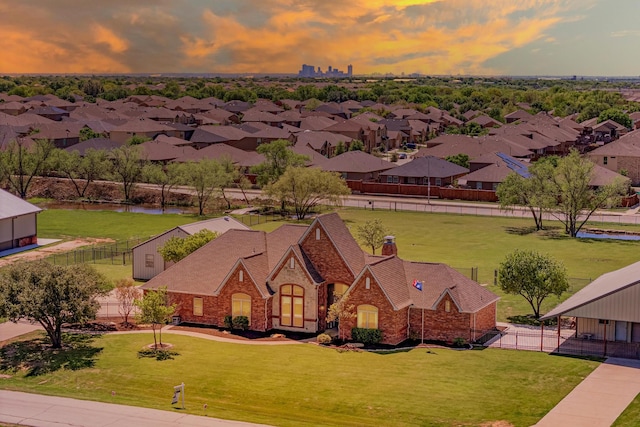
x=357, y=162
x=142, y=125
x=219, y=151
x=390, y=274
x=159, y=151
x=627, y=146
x=428, y=166
x=343, y=240
x=317, y=139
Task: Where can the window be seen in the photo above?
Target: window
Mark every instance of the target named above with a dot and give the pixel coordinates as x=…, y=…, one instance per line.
x=149, y=260
x=494, y=186
x=447, y=306
x=389, y=179
x=292, y=306
x=478, y=185
x=292, y=263
x=317, y=234
x=241, y=305
x=367, y=317
x=438, y=182
x=197, y=306
x=605, y=160
x=367, y=283
x=241, y=276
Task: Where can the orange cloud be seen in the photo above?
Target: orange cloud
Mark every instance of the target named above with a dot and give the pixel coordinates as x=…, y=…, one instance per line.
x=104, y=35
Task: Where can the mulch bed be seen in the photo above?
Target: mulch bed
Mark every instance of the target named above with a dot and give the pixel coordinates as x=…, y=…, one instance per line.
x=246, y=335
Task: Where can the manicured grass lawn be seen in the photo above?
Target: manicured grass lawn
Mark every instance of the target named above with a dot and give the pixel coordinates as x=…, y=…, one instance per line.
x=631, y=416
x=307, y=385
x=61, y=223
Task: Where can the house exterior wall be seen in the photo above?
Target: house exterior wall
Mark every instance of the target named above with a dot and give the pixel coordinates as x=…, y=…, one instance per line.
x=184, y=308
x=618, y=163
x=485, y=320
x=392, y=323
x=622, y=306
x=596, y=329
x=325, y=257
x=440, y=325
x=150, y=247
x=295, y=276
x=24, y=226
x=18, y=231
x=259, y=306
x=6, y=233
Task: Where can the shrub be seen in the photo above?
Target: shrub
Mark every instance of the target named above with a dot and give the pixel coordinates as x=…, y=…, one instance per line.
x=366, y=336
x=240, y=322
x=324, y=339
x=459, y=342
x=228, y=321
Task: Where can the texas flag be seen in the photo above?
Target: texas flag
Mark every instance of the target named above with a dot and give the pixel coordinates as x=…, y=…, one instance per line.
x=417, y=284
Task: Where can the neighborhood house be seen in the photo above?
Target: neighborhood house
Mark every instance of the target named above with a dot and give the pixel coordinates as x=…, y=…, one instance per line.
x=288, y=278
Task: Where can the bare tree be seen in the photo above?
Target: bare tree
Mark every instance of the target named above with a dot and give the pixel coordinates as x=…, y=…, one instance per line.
x=127, y=293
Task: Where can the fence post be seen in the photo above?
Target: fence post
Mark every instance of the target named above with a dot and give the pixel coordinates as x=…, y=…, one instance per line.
x=516, y=340
x=541, y=335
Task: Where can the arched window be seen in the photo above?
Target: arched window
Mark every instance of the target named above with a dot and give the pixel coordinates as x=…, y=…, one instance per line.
x=367, y=317
x=241, y=305
x=292, y=306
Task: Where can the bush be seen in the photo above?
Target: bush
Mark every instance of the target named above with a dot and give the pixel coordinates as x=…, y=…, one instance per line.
x=459, y=342
x=240, y=322
x=366, y=336
x=324, y=339
x=228, y=321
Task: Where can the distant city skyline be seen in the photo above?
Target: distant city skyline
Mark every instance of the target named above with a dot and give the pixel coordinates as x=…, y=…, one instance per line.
x=428, y=37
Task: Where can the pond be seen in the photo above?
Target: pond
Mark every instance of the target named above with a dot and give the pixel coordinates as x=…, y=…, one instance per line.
x=117, y=207
x=585, y=235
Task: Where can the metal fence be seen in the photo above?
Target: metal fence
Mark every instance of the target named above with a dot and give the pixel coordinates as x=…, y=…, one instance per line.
x=114, y=253
x=566, y=342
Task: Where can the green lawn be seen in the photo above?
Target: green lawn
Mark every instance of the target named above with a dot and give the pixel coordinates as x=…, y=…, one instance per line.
x=631, y=415
x=306, y=385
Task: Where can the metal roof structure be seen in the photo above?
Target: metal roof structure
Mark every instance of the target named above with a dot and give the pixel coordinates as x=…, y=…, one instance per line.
x=12, y=206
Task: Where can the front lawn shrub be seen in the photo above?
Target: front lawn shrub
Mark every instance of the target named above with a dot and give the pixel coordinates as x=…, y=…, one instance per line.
x=366, y=336
x=459, y=342
x=324, y=339
x=228, y=321
x=240, y=322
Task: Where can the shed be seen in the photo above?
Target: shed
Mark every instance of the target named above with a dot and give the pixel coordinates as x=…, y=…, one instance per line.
x=18, y=222
x=148, y=263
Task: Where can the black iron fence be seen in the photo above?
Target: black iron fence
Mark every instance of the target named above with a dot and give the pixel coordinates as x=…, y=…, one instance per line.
x=119, y=253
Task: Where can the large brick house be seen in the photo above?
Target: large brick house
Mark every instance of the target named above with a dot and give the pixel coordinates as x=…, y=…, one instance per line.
x=286, y=280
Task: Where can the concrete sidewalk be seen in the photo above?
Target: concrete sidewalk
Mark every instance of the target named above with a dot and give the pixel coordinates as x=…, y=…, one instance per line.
x=600, y=398
x=45, y=411
x=10, y=330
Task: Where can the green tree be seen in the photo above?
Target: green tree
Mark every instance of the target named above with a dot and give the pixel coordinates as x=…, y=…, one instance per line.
x=153, y=309
x=617, y=116
x=166, y=177
x=204, y=175
x=137, y=139
x=577, y=199
x=305, y=188
x=278, y=157
x=51, y=295
x=340, y=148
x=341, y=311
x=177, y=248
x=87, y=133
x=356, y=145
x=532, y=275
x=127, y=167
x=460, y=159
x=21, y=162
x=372, y=234
x=83, y=170
x=228, y=174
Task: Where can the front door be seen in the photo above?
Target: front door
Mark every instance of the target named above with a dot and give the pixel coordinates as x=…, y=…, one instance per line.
x=621, y=331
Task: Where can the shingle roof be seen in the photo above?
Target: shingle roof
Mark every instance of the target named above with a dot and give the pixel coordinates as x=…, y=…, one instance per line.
x=357, y=162
x=218, y=151
x=390, y=275
x=427, y=166
x=344, y=241
x=95, y=144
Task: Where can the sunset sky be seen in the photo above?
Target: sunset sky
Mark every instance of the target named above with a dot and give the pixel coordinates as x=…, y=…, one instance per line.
x=476, y=37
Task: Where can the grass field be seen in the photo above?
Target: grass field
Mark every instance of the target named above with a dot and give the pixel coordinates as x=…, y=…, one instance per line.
x=307, y=385
x=461, y=241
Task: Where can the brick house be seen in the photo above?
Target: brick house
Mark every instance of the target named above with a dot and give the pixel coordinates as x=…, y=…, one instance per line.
x=286, y=280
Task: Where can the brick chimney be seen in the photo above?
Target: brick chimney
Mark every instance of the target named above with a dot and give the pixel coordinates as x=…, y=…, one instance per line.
x=389, y=246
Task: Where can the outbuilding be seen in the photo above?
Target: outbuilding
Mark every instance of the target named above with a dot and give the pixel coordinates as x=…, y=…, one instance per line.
x=18, y=222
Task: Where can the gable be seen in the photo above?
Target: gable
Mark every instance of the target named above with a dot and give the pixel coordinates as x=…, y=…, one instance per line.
x=240, y=279
x=325, y=256
x=291, y=269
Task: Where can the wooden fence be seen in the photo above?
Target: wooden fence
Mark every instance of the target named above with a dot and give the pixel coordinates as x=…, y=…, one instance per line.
x=370, y=187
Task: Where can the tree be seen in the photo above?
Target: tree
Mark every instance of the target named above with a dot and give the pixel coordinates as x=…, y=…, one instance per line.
x=577, y=199
x=532, y=275
x=460, y=159
x=534, y=192
x=341, y=311
x=617, y=116
x=164, y=176
x=51, y=295
x=155, y=310
x=127, y=167
x=137, y=139
x=372, y=234
x=305, y=188
x=177, y=248
x=227, y=175
x=21, y=162
x=204, y=175
x=278, y=157
x=83, y=170
x=127, y=294
x=87, y=133
x=356, y=145
x=340, y=148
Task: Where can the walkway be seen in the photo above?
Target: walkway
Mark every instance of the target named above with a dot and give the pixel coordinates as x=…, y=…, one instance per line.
x=10, y=330
x=600, y=398
x=45, y=411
